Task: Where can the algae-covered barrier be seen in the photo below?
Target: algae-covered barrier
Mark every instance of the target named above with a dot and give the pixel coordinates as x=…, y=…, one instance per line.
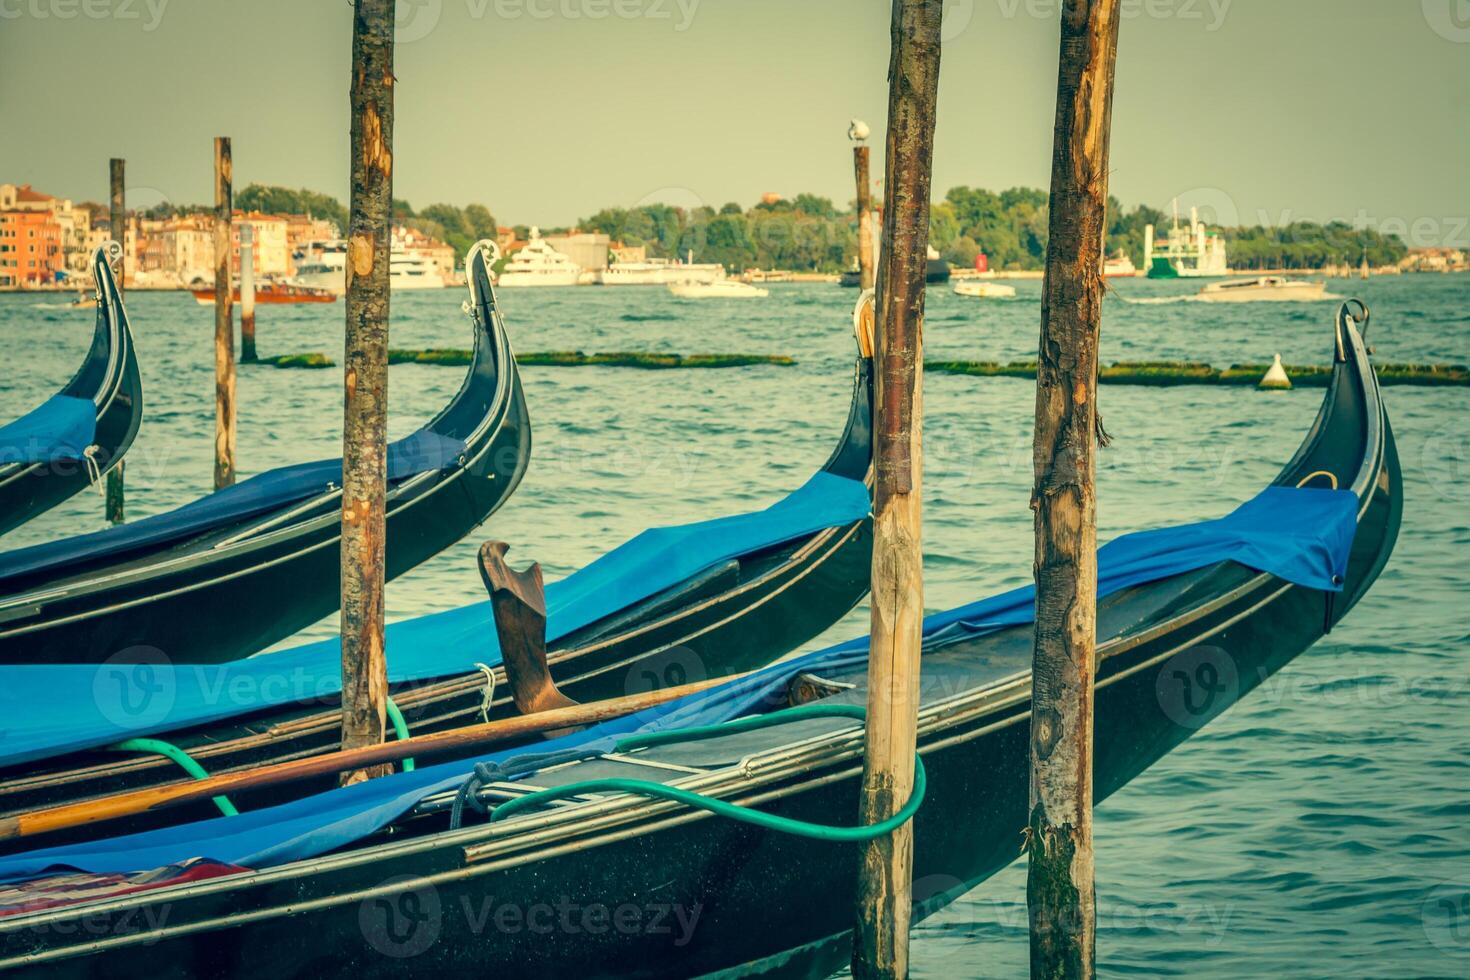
x=309, y=362
x=454, y=357
x=1171, y=373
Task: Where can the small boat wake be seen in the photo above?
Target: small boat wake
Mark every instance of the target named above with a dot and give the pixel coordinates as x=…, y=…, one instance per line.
x=1159, y=300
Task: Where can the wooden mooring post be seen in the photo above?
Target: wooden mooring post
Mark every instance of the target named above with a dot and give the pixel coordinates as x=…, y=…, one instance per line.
x=224, y=327
x=113, y=506
x=1060, y=888
x=861, y=157
x=365, y=379
x=881, y=937
x=247, y=293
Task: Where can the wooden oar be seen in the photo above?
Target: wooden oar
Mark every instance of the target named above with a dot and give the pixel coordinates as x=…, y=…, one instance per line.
x=472, y=736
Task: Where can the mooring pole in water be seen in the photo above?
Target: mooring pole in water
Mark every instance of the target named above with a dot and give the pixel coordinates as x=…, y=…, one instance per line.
x=118, y=218
x=881, y=937
x=224, y=332
x=247, y=293
x=1059, y=887
x=861, y=156
x=365, y=378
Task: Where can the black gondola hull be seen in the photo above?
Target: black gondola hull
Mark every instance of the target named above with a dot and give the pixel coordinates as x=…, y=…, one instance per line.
x=109, y=376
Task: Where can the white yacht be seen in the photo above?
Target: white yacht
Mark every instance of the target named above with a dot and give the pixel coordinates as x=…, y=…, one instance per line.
x=408, y=268
x=323, y=265
x=538, y=264
x=1263, y=289
x=984, y=289
x=717, y=289
x=1119, y=266
x=696, y=272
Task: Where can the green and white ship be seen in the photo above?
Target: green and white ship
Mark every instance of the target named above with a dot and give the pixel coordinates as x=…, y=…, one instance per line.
x=1198, y=254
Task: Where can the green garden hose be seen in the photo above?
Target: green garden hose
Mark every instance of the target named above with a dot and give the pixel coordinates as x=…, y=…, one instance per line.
x=768, y=821
x=175, y=754
x=400, y=728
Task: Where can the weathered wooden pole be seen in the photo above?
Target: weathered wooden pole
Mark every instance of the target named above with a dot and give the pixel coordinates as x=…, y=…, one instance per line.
x=861, y=156
x=114, y=505
x=224, y=333
x=247, y=293
x=881, y=937
x=1059, y=887
x=365, y=363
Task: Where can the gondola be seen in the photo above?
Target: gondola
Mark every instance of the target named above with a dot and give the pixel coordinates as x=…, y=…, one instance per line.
x=583, y=882
x=81, y=432
x=751, y=587
x=231, y=573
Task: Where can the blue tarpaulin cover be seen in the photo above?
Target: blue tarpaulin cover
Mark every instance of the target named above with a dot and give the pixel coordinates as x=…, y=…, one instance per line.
x=62, y=427
x=46, y=710
x=422, y=451
x=1302, y=536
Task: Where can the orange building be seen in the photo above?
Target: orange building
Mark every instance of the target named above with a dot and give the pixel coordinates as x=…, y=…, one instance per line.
x=30, y=248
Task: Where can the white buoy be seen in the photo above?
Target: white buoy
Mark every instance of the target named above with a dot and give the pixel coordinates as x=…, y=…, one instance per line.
x=1276, y=379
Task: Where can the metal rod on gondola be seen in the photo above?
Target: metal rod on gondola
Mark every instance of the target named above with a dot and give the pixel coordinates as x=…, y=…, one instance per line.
x=247, y=293
x=224, y=333
x=861, y=155
x=880, y=944
x=1060, y=889
x=113, y=507
x=365, y=378
x=152, y=799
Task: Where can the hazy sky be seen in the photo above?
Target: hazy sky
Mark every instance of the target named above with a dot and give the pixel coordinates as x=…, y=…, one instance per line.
x=547, y=110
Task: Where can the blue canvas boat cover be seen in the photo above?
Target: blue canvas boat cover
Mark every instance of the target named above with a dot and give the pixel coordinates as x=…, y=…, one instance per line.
x=52, y=709
x=420, y=452
x=62, y=427
x=1301, y=535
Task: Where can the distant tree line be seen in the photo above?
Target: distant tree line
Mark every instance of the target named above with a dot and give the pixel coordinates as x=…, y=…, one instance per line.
x=810, y=233
x=284, y=200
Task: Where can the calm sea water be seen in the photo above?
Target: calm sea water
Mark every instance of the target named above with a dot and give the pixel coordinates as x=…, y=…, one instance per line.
x=1320, y=828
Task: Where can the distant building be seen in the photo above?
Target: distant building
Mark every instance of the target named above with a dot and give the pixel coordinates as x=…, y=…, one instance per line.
x=630, y=253
x=418, y=245
x=770, y=197
x=587, y=249
x=1434, y=260
x=73, y=222
x=182, y=248
x=268, y=246
x=30, y=248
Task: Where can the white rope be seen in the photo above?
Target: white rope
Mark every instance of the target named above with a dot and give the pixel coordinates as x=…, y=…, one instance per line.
x=489, y=694
x=94, y=469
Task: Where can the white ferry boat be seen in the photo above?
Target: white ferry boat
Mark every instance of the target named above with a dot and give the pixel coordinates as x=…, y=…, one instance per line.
x=538, y=264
